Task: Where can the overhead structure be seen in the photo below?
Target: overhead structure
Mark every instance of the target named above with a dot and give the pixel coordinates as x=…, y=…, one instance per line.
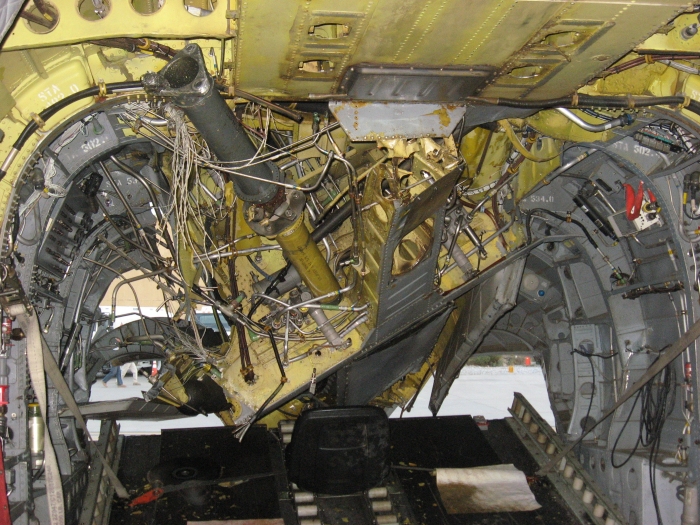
x=310, y=207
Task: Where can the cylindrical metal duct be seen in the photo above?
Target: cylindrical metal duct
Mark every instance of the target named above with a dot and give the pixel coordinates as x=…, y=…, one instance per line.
x=189, y=85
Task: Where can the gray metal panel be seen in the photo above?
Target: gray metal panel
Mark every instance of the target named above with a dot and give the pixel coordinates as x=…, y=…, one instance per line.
x=369, y=377
x=129, y=409
x=96, y=137
x=364, y=121
x=483, y=306
x=390, y=82
x=407, y=297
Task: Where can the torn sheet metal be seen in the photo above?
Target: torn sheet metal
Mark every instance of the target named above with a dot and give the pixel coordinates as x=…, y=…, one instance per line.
x=365, y=121
x=496, y=488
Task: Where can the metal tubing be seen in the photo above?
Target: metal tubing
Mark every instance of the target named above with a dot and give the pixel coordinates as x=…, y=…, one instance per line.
x=357, y=322
x=595, y=128
x=321, y=319
x=131, y=280
x=486, y=241
x=474, y=238
x=127, y=208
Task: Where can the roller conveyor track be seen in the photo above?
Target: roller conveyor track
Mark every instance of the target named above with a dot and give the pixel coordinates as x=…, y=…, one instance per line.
x=409, y=496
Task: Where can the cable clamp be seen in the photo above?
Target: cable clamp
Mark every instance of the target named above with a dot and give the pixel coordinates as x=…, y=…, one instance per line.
x=574, y=100
x=103, y=87
x=146, y=45
x=545, y=182
x=38, y=120
x=649, y=59
x=630, y=101
x=686, y=102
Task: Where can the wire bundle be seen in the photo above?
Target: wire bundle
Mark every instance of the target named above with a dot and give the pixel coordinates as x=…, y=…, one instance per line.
x=658, y=398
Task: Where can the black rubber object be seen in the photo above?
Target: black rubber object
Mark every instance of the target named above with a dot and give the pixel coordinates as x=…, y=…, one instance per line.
x=339, y=450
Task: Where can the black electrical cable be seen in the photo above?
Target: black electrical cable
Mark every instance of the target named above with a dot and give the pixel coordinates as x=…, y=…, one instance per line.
x=49, y=112
x=590, y=403
x=277, y=355
x=262, y=408
x=655, y=411
x=602, y=356
x=561, y=218
x=658, y=398
x=689, y=215
x=586, y=101
x=595, y=114
x=257, y=268
x=617, y=440
x=332, y=222
x=46, y=114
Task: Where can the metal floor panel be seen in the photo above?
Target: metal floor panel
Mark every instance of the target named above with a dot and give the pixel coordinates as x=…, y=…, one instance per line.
x=417, y=444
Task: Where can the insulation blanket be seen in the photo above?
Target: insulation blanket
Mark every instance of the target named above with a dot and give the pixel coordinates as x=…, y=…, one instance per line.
x=496, y=488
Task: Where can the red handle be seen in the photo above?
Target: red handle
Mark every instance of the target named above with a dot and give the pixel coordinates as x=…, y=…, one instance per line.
x=147, y=497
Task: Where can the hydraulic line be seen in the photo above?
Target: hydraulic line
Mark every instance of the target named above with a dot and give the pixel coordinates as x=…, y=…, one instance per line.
x=646, y=59
x=127, y=208
x=123, y=235
x=159, y=215
x=33, y=125
x=624, y=120
x=164, y=52
x=333, y=221
x=568, y=218
x=246, y=364
x=586, y=101
x=269, y=210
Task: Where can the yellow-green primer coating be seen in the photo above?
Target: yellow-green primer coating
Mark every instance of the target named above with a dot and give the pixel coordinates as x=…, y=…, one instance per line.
x=303, y=253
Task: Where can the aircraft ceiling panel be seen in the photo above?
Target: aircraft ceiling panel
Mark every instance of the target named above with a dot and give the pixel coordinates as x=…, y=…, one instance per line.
x=543, y=48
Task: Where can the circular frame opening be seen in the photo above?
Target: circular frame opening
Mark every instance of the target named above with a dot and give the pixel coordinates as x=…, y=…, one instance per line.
x=41, y=21
x=146, y=7
x=92, y=13
x=199, y=7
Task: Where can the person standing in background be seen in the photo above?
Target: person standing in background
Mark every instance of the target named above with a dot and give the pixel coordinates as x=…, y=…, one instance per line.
x=114, y=371
x=134, y=371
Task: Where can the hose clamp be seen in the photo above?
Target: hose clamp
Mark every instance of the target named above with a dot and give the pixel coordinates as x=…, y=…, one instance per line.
x=38, y=120
x=146, y=45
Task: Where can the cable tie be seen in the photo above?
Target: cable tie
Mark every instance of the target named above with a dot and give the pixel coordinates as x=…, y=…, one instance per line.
x=38, y=120
x=630, y=101
x=649, y=59
x=574, y=100
x=103, y=87
x=686, y=101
